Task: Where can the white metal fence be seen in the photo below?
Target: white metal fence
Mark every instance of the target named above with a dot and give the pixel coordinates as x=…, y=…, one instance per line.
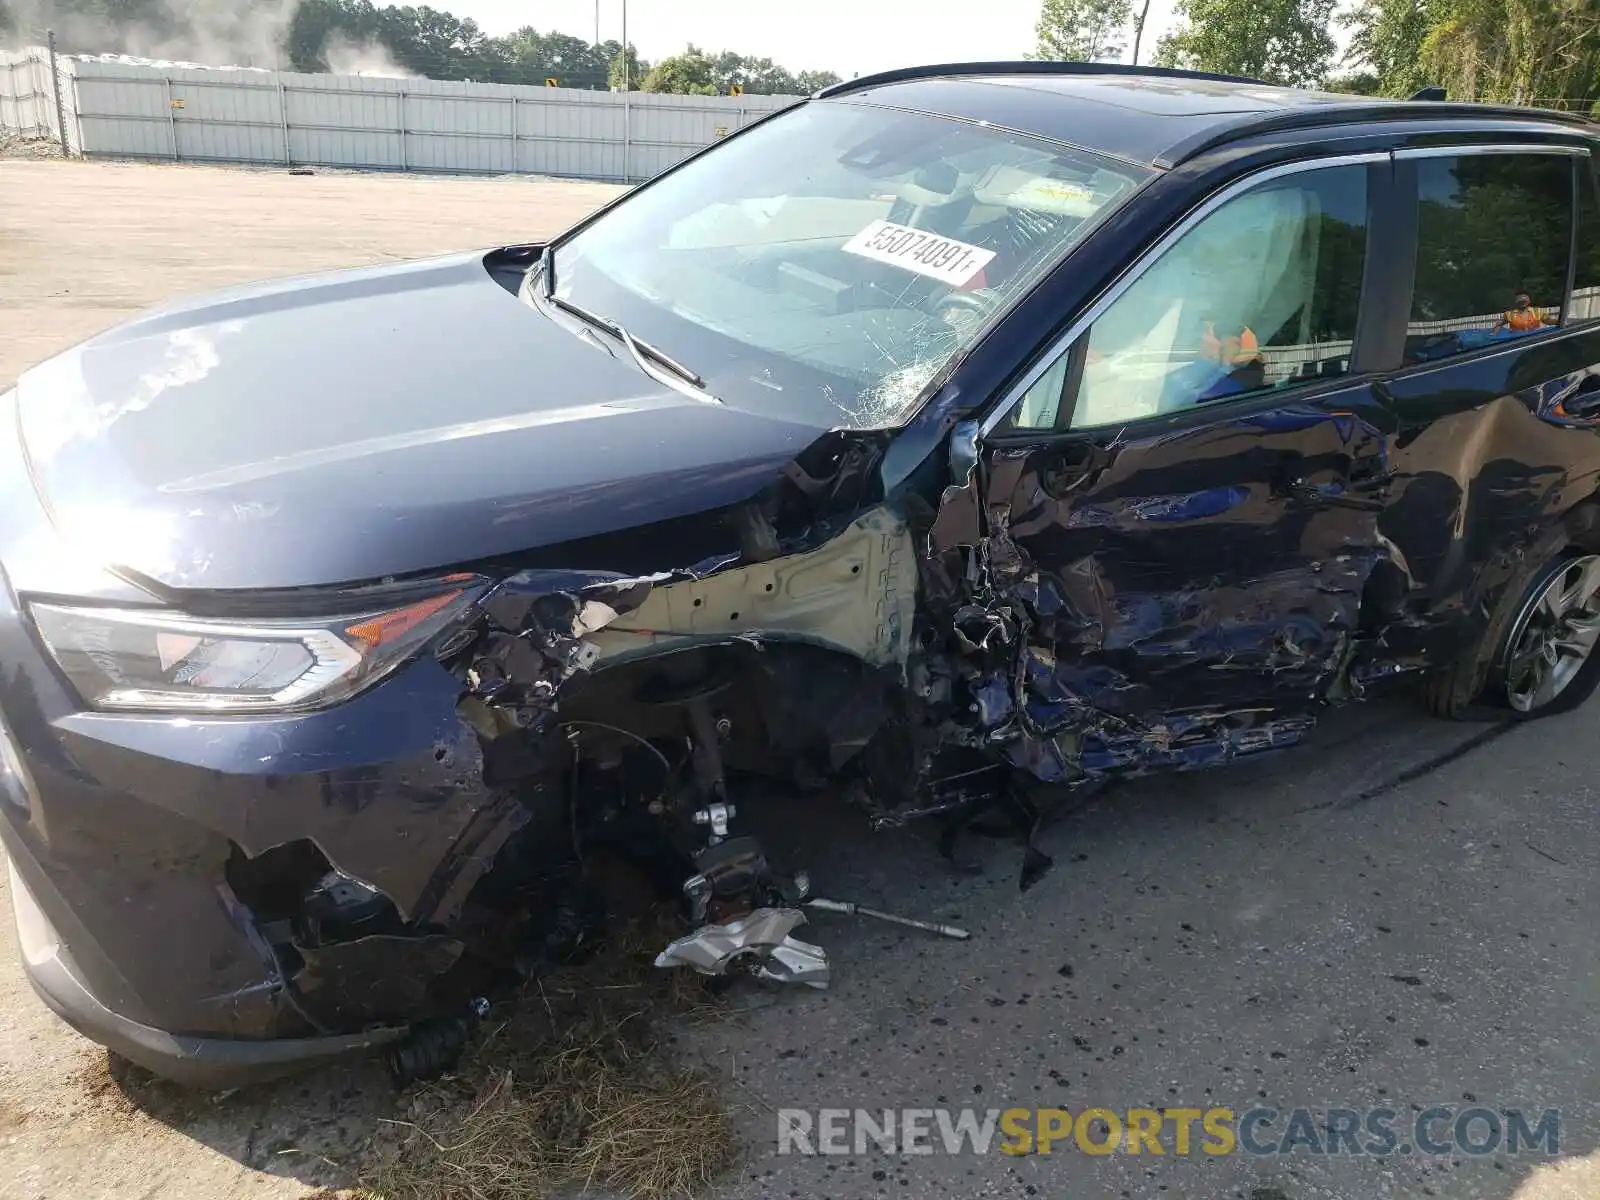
x=27, y=101
x=198, y=114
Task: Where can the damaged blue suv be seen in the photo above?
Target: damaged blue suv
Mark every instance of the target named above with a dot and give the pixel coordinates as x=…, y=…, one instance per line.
x=951, y=441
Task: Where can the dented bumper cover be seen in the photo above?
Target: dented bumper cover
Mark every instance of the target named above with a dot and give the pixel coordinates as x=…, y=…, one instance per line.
x=120, y=830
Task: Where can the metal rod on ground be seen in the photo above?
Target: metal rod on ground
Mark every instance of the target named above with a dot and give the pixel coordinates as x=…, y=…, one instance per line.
x=55, y=86
x=860, y=910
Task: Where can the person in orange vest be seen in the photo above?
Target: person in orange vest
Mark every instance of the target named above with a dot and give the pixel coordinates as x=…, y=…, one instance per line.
x=1231, y=351
x=1524, y=317
x=1238, y=354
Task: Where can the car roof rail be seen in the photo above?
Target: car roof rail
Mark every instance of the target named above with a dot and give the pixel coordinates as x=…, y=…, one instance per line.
x=1356, y=111
x=1025, y=67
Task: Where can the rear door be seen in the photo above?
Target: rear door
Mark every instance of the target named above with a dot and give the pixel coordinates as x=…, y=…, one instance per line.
x=1497, y=401
x=1180, y=503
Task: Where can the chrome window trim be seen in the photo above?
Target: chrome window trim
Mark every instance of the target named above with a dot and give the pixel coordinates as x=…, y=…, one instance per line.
x=1465, y=148
x=1124, y=281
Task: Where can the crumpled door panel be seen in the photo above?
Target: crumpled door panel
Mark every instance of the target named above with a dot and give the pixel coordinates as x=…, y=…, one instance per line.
x=1187, y=596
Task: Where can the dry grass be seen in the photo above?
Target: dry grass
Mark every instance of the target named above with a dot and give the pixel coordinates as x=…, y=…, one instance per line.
x=573, y=1089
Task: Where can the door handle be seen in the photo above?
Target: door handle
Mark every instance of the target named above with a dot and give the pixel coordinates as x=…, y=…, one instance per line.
x=1585, y=400
x=1310, y=493
x=1070, y=466
x=1351, y=486
x=1370, y=471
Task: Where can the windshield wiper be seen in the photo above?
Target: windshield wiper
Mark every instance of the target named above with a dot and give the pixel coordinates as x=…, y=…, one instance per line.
x=547, y=270
x=641, y=351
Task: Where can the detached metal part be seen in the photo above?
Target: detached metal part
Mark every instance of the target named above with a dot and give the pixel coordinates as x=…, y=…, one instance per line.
x=758, y=944
x=861, y=910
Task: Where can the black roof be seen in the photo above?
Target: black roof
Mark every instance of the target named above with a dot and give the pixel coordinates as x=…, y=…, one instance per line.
x=1143, y=114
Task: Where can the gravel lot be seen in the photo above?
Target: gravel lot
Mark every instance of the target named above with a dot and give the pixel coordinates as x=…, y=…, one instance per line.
x=1401, y=915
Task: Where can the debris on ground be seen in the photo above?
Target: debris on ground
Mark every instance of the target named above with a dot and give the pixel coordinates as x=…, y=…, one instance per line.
x=570, y=1087
x=13, y=145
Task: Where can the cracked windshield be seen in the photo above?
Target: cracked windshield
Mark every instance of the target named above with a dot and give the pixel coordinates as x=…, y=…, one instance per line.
x=824, y=266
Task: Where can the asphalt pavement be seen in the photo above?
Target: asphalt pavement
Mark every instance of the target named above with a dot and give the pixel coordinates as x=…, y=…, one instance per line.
x=1399, y=917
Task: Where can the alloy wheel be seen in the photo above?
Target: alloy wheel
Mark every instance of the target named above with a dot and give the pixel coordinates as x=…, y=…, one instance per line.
x=1554, y=635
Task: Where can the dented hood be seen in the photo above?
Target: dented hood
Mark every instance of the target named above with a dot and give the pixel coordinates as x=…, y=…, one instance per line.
x=367, y=423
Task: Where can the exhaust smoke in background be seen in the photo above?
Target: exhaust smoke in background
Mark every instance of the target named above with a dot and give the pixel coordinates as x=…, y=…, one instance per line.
x=246, y=33
x=346, y=57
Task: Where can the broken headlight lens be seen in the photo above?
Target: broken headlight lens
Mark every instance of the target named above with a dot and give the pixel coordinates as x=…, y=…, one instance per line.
x=146, y=659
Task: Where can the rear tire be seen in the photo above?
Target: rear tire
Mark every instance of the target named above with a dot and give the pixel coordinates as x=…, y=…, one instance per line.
x=1535, y=658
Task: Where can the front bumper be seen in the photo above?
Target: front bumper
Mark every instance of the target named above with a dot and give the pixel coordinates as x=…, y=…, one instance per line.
x=200, y=1062
x=125, y=835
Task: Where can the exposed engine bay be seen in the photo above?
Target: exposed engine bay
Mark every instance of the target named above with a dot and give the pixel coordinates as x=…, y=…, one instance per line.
x=831, y=647
x=658, y=698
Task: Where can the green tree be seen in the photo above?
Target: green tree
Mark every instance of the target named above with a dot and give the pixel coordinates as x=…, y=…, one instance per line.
x=429, y=42
x=1082, y=30
x=1386, y=38
x=814, y=81
x=535, y=57
x=691, y=73
x=637, y=68
x=1281, y=41
x=441, y=45
x=1516, y=51
x=315, y=21
x=1356, y=83
x=758, y=76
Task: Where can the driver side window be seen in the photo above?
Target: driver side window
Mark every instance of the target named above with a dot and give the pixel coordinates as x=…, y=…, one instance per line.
x=1261, y=294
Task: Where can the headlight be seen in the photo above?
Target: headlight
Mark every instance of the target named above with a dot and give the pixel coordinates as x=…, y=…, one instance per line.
x=123, y=658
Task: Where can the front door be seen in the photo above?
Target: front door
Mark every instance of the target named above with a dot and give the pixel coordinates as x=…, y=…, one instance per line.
x=1180, y=510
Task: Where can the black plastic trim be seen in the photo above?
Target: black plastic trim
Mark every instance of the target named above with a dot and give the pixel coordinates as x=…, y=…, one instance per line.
x=1391, y=267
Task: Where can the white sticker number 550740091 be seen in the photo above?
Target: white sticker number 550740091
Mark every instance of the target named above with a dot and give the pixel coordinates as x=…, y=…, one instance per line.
x=917, y=250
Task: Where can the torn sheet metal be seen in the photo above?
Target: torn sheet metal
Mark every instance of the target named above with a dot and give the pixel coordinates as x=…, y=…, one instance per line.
x=1165, y=602
x=856, y=593
x=538, y=625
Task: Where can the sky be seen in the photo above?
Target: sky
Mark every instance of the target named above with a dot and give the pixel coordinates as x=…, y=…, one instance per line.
x=849, y=37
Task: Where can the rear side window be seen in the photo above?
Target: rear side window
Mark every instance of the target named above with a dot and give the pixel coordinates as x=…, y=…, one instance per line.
x=1586, y=283
x=1494, y=237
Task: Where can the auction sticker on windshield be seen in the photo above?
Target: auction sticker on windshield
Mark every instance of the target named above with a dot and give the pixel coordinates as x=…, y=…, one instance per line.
x=941, y=258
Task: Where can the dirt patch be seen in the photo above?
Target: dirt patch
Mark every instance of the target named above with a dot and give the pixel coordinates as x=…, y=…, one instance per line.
x=14, y=145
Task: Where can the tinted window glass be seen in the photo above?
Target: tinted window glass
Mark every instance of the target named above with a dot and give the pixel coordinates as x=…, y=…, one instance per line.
x=1586, y=285
x=1493, y=239
x=1261, y=294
